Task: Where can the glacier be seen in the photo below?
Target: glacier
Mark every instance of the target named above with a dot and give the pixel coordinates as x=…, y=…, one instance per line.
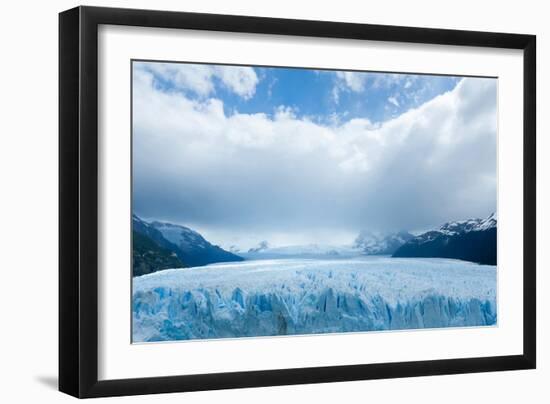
x=311, y=296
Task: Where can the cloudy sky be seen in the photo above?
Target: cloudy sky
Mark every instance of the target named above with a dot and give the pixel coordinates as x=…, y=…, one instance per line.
x=294, y=156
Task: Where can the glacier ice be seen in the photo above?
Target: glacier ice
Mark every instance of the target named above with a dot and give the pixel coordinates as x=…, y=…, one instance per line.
x=310, y=296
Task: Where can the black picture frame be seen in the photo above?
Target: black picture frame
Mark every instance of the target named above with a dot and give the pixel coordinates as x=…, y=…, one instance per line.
x=78, y=201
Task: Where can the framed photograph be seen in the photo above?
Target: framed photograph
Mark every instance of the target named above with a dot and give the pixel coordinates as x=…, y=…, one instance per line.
x=251, y=201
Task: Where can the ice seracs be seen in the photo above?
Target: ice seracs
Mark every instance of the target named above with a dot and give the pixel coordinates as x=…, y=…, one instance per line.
x=298, y=296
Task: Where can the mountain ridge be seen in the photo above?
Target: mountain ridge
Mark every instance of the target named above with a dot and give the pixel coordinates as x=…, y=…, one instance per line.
x=193, y=247
x=472, y=240
x=158, y=245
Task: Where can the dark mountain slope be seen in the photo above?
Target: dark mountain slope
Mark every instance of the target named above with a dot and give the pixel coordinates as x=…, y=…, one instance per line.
x=192, y=247
x=148, y=256
x=470, y=240
x=189, y=247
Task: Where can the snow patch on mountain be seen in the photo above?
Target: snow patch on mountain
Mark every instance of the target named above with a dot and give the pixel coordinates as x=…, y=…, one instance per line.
x=471, y=240
x=184, y=237
x=466, y=226
x=455, y=228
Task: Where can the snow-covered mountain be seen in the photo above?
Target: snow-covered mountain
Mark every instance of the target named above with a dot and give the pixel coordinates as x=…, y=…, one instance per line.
x=367, y=243
x=466, y=226
x=298, y=296
x=146, y=229
x=371, y=243
x=470, y=240
x=158, y=246
x=193, y=248
x=264, y=251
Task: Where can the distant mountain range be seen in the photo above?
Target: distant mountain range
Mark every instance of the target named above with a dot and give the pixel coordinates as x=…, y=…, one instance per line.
x=367, y=243
x=370, y=243
x=264, y=251
x=159, y=245
x=470, y=240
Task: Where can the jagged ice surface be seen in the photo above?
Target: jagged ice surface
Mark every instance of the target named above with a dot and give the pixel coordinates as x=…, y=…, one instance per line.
x=305, y=296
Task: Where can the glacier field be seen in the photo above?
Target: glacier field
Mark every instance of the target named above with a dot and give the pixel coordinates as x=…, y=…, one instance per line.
x=311, y=296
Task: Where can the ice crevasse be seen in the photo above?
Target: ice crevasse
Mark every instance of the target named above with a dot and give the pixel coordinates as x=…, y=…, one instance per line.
x=286, y=297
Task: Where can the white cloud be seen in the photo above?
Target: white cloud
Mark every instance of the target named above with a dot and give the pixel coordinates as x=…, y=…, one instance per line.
x=270, y=87
x=393, y=100
x=336, y=94
x=241, y=80
x=387, y=80
x=357, y=81
x=354, y=81
x=249, y=173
